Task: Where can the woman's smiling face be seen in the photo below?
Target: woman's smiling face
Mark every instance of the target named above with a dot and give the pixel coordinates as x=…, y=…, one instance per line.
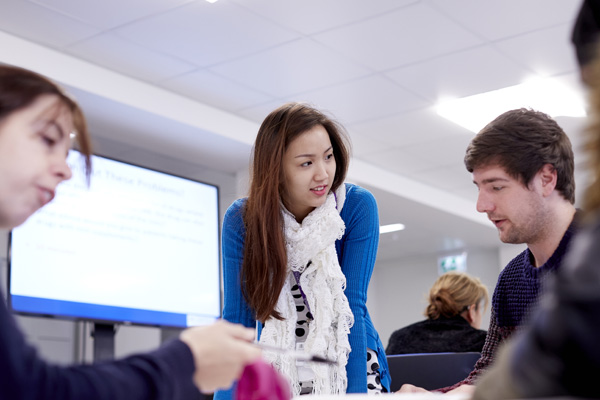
x=309, y=170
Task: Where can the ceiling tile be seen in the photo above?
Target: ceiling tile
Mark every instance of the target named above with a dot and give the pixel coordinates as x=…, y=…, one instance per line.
x=41, y=25
x=310, y=16
x=109, y=148
x=141, y=129
x=398, y=161
x=466, y=192
x=110, y=13
x=573, y=81
x=421, y=126
x=460, y=74
x=294, y=67
x=207, y=34
x=366, y=144
x=212, y=89
x=446, y=177
x=259, y=112
x=141, y=63
x=273, y=49
x=162, y=163
x=446, y=151
x=575, y=130
x=547, y=52
x=364, y=99
x=399, y=38
x=501, y=19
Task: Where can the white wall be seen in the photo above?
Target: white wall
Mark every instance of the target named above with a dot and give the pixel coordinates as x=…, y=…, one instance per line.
x=398, y=289
x=509, y=251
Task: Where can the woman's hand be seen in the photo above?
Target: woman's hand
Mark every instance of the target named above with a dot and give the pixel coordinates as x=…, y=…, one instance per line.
x=221, y=351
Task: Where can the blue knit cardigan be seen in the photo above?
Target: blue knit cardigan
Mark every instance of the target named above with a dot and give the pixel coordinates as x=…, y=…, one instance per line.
x=356, y=252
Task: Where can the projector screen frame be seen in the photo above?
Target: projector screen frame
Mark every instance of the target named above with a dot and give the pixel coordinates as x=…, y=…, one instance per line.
x=125, y=321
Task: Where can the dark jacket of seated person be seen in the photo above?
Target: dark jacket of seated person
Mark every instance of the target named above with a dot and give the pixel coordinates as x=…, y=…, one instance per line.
x=457, y=302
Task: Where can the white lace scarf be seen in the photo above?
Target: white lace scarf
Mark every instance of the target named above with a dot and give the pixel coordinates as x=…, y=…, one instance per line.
x=323, y=283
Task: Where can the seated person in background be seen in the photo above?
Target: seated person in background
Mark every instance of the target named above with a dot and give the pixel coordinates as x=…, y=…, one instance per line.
x=38, y=123
x=457, y=302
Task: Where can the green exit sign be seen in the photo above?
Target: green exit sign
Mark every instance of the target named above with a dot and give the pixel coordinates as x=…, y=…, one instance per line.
x=456, y=262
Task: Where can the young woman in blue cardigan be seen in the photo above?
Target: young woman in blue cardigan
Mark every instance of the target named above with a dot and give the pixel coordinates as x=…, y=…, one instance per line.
x=298, y=254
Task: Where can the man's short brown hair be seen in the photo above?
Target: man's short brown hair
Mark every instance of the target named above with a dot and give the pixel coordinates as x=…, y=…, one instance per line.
x=523, y=141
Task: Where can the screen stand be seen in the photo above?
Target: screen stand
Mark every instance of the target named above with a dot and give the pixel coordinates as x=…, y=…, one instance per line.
x=104, y=341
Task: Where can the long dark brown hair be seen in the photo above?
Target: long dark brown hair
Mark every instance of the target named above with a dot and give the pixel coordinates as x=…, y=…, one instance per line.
x=265, y=260
x=19, y=88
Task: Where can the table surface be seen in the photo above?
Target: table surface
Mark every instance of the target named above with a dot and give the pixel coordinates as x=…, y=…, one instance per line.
x=403, y=396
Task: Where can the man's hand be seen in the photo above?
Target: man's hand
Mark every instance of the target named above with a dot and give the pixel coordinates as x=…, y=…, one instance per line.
x=408, y=388
x=468, y=389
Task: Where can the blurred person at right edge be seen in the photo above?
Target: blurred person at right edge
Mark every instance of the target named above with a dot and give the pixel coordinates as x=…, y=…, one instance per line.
x=559, y=353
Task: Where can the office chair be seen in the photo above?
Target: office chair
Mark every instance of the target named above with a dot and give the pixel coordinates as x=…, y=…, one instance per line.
x=430, y=370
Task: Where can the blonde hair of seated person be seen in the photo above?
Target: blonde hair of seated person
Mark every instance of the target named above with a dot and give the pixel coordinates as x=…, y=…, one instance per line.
x=458, y=293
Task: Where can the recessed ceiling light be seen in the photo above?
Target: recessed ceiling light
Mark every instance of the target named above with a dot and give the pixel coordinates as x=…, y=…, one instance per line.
x=545, y=95
x=391, y=228
x=212, y=1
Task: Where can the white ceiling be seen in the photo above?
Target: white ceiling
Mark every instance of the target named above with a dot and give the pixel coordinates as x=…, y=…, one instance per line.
x=189, y=83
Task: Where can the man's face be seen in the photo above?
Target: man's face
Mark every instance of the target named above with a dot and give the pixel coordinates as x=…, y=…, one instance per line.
x=518, y=212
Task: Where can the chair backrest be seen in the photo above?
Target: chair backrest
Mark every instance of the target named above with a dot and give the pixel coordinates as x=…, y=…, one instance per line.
x=430, y=370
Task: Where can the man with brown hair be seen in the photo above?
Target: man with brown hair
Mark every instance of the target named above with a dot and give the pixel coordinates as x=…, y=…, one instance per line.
x=553, y=356
x=522, y=164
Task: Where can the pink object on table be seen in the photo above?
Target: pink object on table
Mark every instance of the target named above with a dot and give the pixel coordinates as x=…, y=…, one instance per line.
x=260, y=381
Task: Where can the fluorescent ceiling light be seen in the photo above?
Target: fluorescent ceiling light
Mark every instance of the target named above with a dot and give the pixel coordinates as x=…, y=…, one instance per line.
x=545, y=95
x=212, y=1
x=390, y=228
